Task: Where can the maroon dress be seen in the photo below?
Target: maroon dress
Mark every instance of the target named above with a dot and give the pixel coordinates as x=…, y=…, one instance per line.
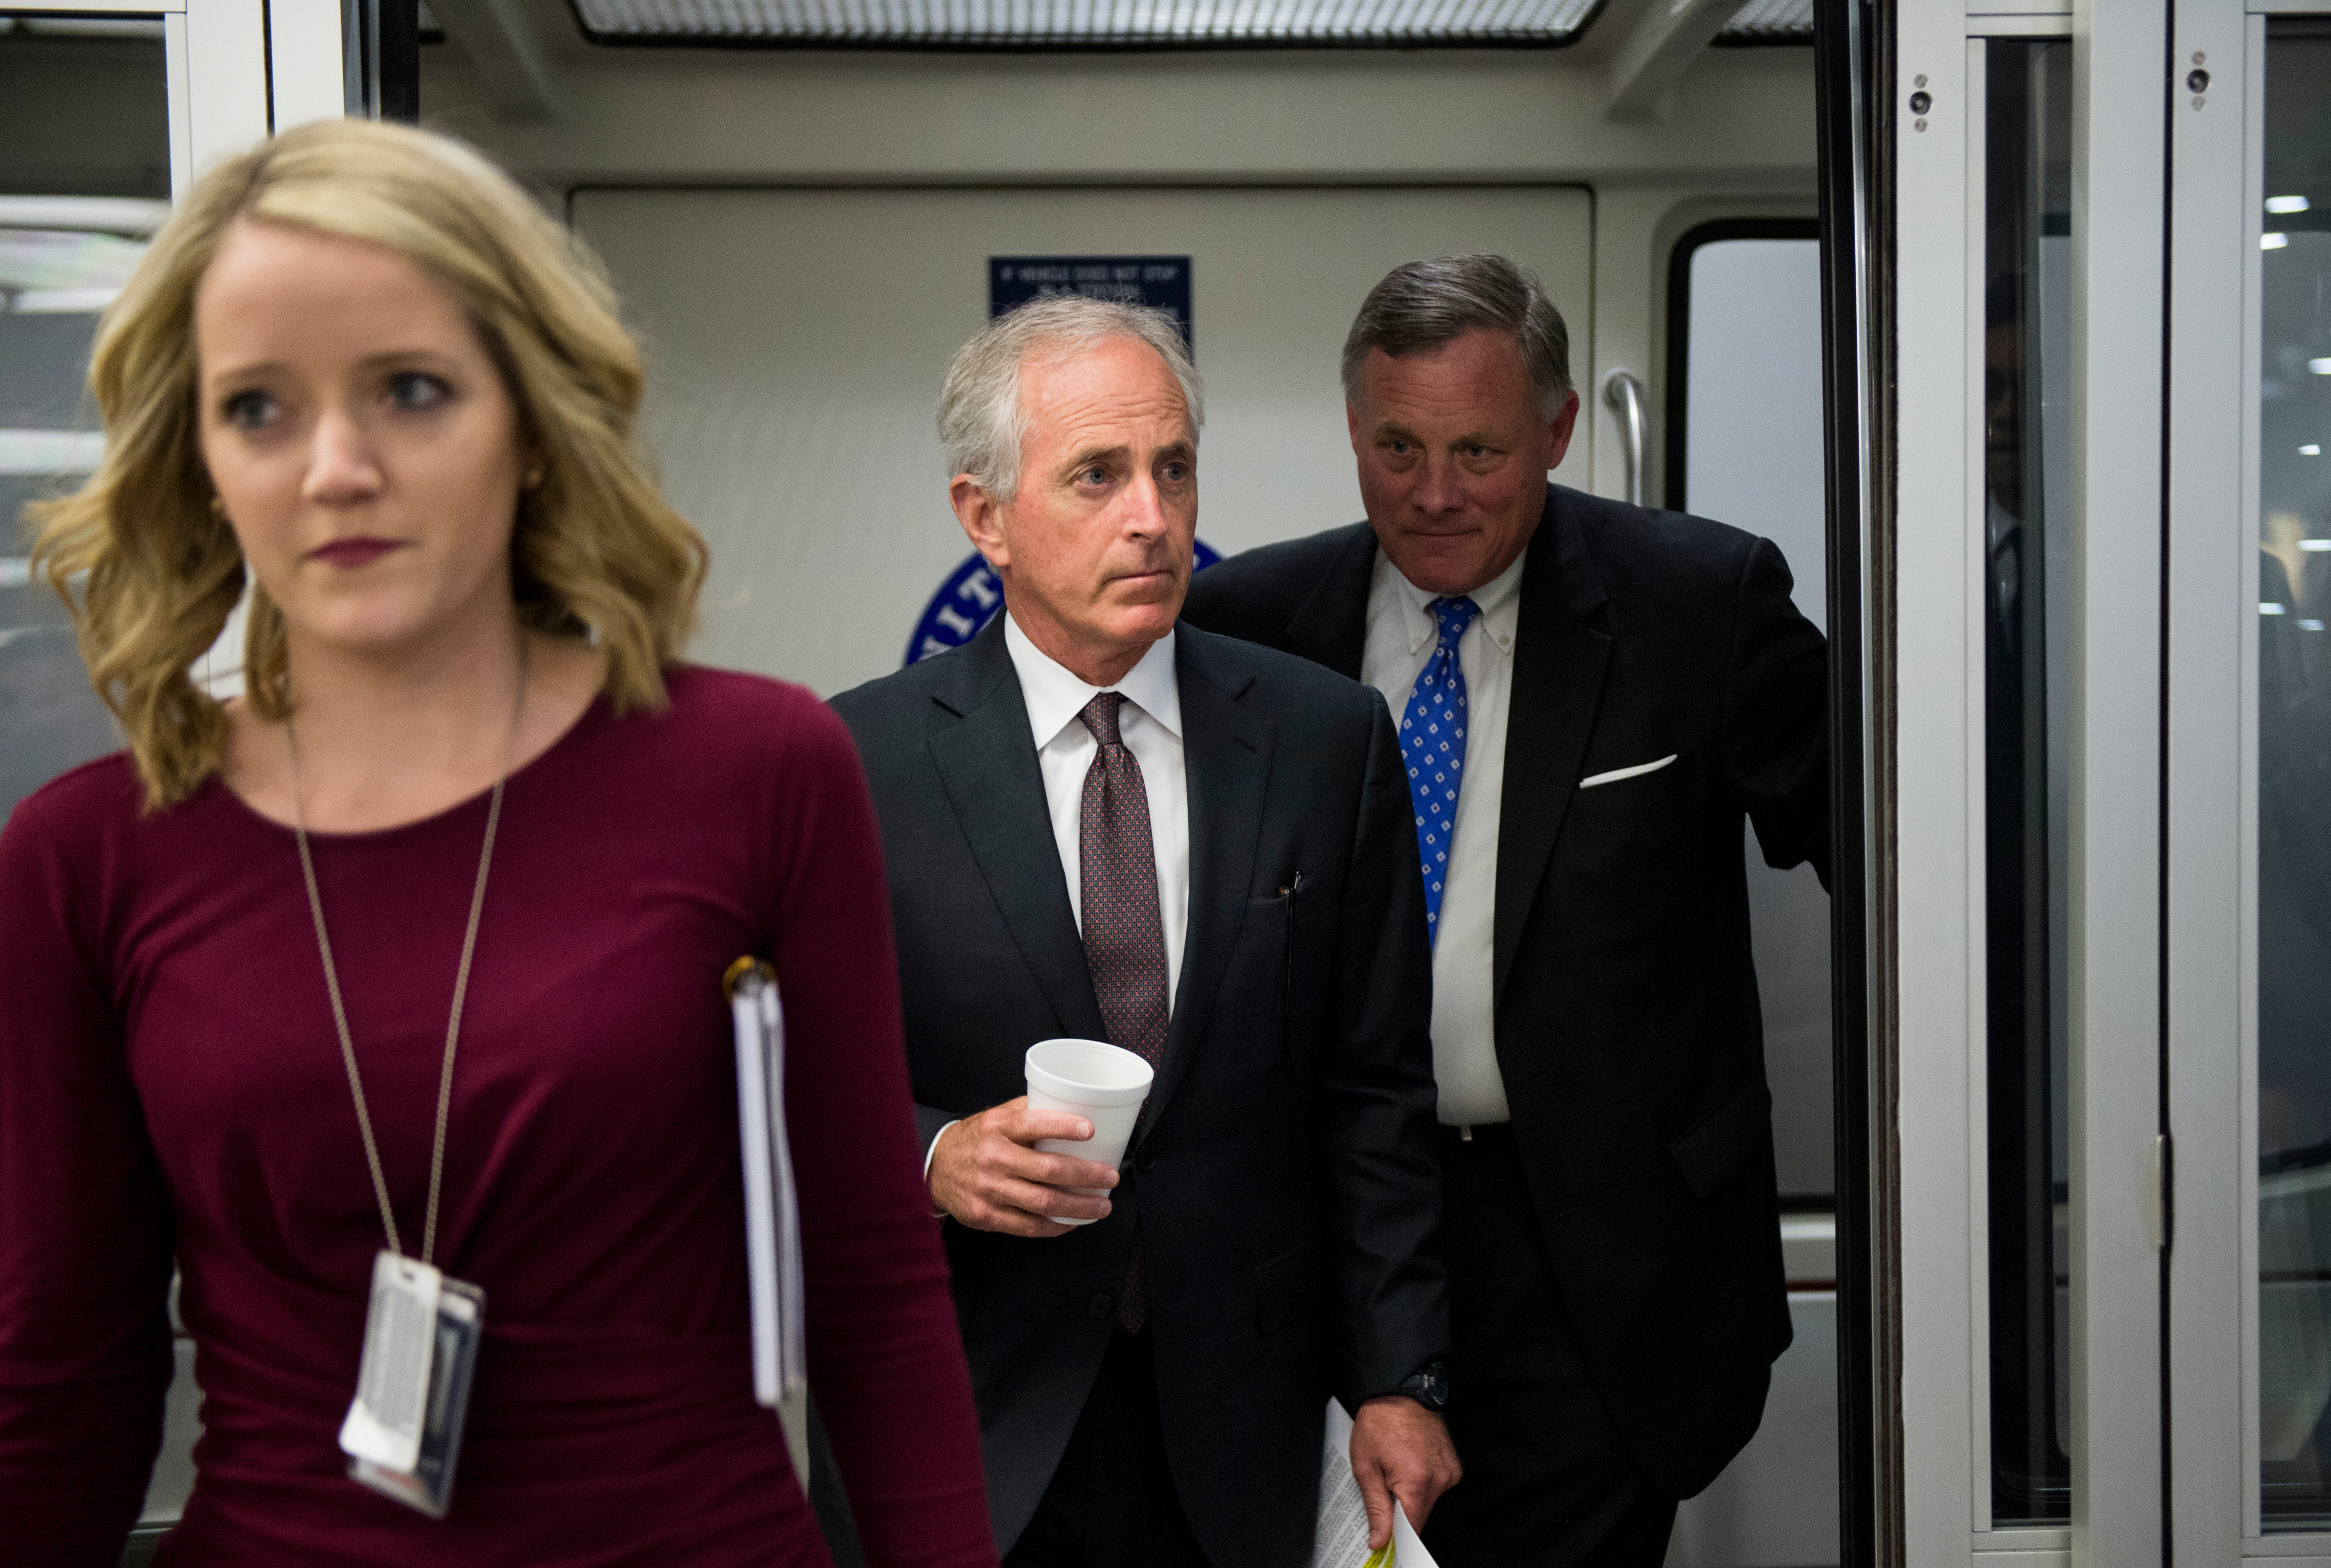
x=170, y=1083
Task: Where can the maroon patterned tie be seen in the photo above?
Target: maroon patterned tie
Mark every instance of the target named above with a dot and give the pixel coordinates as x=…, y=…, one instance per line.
x=1125, y=940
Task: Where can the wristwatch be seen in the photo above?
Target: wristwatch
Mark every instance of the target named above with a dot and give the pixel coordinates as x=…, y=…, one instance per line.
x=1428, y=1385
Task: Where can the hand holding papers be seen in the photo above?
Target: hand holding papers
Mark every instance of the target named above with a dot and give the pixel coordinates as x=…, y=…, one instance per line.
x=1341, y=1540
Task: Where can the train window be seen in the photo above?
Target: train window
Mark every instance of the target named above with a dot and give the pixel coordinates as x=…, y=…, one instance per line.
x=2294, y=763
x=84, y=166
x=55, y=71
x=53, y=277
x=2027, y=736
x=1744, y=446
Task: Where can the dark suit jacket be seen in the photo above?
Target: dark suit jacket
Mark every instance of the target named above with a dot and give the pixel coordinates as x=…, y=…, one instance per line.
x=1627, y=1024
x=1284, y=1172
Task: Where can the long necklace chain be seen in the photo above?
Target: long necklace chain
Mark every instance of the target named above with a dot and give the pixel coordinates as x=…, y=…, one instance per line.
x=461, y=980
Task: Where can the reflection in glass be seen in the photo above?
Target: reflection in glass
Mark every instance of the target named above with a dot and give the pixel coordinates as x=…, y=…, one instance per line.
x=84, y=163
x=83, y=108
x=52, y=282
x=2294, y=849
x=2027, y=358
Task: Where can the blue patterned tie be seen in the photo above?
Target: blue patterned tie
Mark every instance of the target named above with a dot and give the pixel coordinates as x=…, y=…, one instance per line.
x=1432, y=741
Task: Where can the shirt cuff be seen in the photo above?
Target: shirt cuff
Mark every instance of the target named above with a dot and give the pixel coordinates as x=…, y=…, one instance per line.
x=932, y=1147
x=929, y=1150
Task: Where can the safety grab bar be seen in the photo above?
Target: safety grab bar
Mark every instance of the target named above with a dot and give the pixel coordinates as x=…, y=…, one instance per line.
x=1624, y=392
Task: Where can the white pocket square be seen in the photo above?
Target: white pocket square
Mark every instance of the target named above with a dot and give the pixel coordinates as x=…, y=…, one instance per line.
x=1616, y=774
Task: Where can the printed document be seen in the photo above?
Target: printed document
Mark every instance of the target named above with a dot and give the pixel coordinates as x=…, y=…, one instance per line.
x=1342, y=1540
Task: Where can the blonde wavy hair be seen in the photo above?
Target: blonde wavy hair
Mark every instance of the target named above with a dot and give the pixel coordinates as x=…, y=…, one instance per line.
x=150, y=571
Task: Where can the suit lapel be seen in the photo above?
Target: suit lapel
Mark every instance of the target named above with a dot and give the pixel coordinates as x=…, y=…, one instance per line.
x=1226, y=761
x=1331, y=626
x=987, y=759
x=1559, y=662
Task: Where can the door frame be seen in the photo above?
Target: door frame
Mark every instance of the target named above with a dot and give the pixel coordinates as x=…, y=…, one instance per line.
x=239, y=70
x=1928, y=1251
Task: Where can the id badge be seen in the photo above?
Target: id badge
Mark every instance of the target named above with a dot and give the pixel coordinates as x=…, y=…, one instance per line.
x=402, y=1434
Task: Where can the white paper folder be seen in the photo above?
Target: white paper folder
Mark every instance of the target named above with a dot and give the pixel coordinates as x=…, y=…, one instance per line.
x=773, y=1250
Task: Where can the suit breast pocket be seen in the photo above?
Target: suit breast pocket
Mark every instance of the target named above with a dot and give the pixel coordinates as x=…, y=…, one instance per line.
x=1278, y=957
x=1304, y=900
x=1661, y=788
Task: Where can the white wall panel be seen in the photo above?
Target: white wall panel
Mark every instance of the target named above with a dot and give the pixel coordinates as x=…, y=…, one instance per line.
x=227, y=77
x=305, y=63
x=797, y=340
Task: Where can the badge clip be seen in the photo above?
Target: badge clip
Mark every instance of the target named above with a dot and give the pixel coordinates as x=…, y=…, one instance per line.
x=402, y=1434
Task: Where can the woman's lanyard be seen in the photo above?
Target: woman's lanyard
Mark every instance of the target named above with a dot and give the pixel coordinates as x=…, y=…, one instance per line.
x=403, y=1433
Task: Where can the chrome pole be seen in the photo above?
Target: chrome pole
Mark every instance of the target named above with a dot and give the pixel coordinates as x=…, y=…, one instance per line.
x=1624, y=392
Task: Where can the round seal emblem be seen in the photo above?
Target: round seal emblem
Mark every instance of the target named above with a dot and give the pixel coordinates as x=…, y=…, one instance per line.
x=969, y=599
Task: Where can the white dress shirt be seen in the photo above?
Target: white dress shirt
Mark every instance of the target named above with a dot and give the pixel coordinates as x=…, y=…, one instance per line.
x=1402, y=636
x=1150, y=725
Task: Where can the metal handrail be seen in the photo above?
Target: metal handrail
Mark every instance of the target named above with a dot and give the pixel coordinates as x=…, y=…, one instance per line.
x=1624, y=392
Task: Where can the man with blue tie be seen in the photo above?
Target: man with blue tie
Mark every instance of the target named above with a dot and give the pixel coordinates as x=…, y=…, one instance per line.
x=1591, y=696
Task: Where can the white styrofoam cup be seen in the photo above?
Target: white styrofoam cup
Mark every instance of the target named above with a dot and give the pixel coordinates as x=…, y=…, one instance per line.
x=1096, y=1080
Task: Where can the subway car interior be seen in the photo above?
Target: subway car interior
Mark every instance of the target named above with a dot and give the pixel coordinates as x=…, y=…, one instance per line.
x=2005, y=321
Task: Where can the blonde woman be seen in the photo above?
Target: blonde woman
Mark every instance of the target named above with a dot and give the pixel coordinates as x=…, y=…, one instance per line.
x=417, y=948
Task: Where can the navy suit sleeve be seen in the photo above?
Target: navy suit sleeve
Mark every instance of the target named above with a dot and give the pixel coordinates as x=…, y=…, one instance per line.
x=1775, y=717
x=871, y=730
x=1377, y=1098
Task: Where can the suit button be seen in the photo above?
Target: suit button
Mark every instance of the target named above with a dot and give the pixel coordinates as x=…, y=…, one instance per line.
x=1099, y=1307
x=1147, y=1162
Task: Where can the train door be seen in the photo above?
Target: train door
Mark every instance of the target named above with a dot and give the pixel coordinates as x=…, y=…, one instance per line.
x=795, y=331
x=2248, y=1074
x=803, y=242
x=2017, y=1117
x=798, y=315
x=2100, y=1299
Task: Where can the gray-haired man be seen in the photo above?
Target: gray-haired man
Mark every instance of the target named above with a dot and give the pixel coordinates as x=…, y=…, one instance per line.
x=1100, y=825
x=1591, y=696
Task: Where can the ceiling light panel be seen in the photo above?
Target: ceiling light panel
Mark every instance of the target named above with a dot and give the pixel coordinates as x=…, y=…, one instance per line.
x=1770, y=22
x=1043, y=24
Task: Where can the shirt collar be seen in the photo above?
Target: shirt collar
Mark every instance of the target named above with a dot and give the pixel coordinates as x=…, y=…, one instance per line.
x=1054, y=697
x=1499, y=601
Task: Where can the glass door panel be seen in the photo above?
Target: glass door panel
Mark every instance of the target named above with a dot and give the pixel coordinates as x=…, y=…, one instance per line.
x=2027, y=627
x=84, y=170
x=2294, y=801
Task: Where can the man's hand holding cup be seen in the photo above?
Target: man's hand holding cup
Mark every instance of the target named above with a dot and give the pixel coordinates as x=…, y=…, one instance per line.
x=1045, y=1164
x=987, y=1174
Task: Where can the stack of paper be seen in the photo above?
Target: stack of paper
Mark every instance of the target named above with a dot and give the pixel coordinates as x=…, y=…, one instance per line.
x=1342, y=1538
x=773, y=1250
